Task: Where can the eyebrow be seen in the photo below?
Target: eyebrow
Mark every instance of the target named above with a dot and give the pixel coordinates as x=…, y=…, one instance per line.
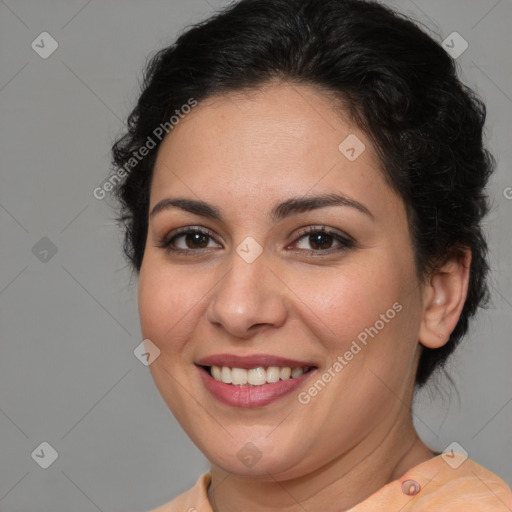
x=289, y=207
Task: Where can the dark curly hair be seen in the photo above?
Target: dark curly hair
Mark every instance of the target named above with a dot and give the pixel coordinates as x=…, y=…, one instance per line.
x=398, y=84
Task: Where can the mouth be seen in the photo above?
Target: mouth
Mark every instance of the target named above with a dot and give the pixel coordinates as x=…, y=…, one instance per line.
x=253, y=381
x=258, y=376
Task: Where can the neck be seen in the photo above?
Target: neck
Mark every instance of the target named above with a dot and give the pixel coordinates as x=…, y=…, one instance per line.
x=337, y=486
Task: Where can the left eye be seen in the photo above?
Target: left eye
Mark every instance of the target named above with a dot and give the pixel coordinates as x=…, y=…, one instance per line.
x=321, y=240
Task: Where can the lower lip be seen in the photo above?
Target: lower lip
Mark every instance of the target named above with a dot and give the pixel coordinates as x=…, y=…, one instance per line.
x=251, y=396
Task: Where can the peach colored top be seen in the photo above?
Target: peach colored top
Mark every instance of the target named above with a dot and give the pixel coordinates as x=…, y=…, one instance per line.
x=442, y=484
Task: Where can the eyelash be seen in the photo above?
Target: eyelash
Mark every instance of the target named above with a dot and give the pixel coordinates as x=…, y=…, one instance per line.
x=345, y=242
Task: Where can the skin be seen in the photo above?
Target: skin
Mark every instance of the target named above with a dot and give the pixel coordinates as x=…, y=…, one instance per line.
x=243, y=153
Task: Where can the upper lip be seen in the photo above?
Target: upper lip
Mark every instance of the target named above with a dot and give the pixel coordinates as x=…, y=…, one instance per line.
x=248, y=362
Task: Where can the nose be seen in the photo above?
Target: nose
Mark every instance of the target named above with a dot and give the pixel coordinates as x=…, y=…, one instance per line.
x=249, y=298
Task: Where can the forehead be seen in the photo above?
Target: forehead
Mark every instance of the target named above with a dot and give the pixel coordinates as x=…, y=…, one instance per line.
x=265, y=144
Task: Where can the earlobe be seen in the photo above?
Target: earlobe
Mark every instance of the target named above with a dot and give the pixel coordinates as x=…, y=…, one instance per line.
x=444, y=297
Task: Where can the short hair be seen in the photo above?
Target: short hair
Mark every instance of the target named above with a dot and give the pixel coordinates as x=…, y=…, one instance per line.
x=400, y=87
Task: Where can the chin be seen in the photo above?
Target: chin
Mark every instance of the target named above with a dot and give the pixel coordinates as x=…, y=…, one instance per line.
x=253, y=460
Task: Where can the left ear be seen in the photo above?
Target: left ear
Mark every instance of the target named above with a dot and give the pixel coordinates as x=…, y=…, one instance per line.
x=443, y=299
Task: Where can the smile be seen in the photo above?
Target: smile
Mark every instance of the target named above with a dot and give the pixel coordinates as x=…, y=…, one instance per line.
x=252, y=381
x=256, y=376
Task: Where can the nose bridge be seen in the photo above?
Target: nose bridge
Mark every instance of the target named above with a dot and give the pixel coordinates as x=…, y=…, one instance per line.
x=247, y=295
x=245, y=283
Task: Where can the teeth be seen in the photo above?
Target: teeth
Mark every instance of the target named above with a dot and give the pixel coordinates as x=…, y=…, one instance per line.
x=285, y=373
x=216, y=373
x=239, y=376
x=225, y=374
x=255, y=376
x=297, y=372
x=273, y=374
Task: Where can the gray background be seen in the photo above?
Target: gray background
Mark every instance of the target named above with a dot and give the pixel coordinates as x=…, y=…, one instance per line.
x=69, y=320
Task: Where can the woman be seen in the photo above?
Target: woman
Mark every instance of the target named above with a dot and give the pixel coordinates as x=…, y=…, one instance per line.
x=303, y=194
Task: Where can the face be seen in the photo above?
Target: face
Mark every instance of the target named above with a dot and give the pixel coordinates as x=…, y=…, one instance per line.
x=234, y=285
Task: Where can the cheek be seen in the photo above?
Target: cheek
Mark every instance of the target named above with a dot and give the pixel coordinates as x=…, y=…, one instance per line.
x=368, y=314
x=344, y=304
x=168, y=305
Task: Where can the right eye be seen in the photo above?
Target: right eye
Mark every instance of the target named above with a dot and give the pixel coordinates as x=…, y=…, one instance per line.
x=187, y=240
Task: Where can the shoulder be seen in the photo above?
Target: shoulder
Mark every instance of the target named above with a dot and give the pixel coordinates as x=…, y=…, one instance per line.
x=193, y=500
x=443, y=483
x=468, y=487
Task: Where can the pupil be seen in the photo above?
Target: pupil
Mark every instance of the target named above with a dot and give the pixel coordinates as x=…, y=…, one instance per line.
x=316, y=239
x=194, y=239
